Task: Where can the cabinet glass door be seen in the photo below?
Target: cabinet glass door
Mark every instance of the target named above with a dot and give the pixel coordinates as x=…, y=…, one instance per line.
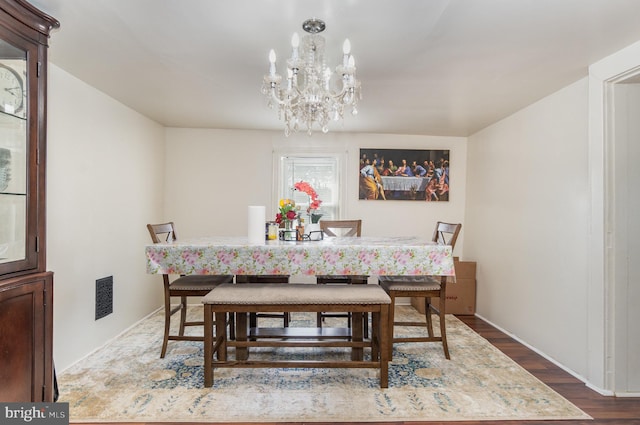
x=14, y=154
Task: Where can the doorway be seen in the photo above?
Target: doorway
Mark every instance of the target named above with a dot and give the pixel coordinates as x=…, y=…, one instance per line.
x=623, y=206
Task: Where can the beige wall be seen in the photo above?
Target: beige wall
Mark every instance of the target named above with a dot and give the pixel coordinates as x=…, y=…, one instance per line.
x=104, y=180
x=527, y=224
x=215, y=174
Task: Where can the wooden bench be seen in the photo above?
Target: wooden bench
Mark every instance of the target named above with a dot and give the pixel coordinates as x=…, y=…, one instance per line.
x=252, y=298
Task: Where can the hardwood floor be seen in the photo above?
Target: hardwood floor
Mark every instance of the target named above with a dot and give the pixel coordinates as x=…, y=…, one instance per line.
x=604, y=410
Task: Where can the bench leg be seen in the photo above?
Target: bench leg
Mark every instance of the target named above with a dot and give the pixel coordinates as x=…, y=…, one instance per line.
x=385, y=341
x=242, y=353
x=357, y=335
x=208, y=346
x=221, y=335
x=375, y=337
x=390, y=325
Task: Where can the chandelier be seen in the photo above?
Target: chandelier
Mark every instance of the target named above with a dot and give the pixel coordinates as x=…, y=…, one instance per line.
x=312, y=95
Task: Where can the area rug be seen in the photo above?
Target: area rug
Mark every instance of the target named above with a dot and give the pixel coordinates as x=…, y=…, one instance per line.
x=127, y=381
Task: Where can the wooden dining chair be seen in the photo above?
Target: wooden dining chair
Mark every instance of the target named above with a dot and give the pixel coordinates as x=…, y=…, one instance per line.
x=424, y=287
x=342, y=228
x=183, y=287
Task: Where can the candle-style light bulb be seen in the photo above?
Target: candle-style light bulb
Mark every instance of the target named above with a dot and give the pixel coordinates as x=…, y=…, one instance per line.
x=346, y=49
x=346, y=46
x=272, y=62
x=289, y=79
x=295, y=42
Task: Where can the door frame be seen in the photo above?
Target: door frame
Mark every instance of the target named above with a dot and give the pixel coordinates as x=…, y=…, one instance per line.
x=602, y=285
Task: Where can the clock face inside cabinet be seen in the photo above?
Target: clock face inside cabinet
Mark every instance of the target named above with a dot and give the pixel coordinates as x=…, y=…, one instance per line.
x=14, y=153
x=12, y=88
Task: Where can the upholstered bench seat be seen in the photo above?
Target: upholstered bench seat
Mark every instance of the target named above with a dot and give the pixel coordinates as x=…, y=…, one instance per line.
x=294, y=294
x=251, y=298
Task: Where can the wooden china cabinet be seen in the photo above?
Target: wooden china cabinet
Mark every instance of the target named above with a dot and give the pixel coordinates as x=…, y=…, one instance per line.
x=26, y=288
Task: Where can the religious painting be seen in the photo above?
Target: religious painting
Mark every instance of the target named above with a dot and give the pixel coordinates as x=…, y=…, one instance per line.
x=404, y=175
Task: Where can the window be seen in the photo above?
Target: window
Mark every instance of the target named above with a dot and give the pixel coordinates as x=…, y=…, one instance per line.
x=321, y=171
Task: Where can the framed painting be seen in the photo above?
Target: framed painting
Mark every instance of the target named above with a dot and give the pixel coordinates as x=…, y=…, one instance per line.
x=404, y=175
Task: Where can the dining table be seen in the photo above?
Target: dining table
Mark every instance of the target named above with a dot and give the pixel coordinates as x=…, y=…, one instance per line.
x=365, y=255
x=362, y=255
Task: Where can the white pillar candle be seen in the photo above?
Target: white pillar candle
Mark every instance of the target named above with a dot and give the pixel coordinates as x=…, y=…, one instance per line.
x=256, y=225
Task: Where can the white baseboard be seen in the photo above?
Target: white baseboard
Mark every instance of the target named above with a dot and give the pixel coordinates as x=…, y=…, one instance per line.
x=111, y=339
x=552, y=360
x=627, y=394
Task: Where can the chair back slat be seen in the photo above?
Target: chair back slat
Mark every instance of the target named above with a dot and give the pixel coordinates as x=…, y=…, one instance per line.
x=341, y=227
x=446, y=233
x=163, y=232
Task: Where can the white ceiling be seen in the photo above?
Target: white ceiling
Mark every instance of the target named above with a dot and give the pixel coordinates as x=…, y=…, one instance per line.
x=437, y=67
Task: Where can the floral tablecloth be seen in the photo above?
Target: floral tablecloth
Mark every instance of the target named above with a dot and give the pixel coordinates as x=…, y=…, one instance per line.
x=331, y=256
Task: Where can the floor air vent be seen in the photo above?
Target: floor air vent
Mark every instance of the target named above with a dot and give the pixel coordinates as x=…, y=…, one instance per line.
x=104, y=297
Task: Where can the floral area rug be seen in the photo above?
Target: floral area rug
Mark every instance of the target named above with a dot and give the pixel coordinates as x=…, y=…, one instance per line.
x=127, y=381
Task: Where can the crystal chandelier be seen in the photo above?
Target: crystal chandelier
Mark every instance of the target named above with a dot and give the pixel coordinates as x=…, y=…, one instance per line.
x=310, y=96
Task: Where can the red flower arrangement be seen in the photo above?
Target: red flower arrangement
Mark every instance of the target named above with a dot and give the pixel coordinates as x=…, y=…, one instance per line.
x=287, y=212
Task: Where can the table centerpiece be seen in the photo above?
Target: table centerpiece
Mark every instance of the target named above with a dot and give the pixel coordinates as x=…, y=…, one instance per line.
x=312, y=229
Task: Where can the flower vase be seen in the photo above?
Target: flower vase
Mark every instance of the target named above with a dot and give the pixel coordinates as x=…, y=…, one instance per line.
x=290, y=230
x=314, y=232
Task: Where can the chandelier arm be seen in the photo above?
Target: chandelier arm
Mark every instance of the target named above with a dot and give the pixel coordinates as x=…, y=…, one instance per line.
x=346, y=87
x=282, y=102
